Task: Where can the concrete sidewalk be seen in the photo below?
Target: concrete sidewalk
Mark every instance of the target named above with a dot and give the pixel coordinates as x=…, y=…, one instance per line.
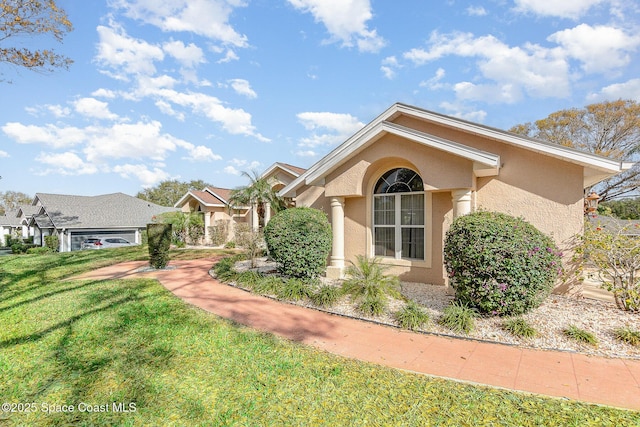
x=614, y=382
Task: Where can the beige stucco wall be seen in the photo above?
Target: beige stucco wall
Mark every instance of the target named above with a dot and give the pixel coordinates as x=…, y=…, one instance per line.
x=545, y=191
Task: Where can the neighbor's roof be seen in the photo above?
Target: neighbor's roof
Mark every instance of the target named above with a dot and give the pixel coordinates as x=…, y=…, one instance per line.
x=10, y=218
x=209, y=196
x=596, y=168
x=104, y=211
x=295, y=171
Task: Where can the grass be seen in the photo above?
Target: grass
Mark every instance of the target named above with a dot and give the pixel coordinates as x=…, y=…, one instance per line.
x=580, y=335
x=458, y=317
x=519, y=327
x=628, y=335
x=412, y=316
x=66, y=342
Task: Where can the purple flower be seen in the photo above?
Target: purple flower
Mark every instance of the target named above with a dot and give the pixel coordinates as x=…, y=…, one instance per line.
x=502, y=286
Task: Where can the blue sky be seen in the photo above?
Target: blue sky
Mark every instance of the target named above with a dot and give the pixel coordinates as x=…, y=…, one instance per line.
x=205, y=89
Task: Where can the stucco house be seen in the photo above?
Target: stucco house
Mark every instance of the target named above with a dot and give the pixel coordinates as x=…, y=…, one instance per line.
x=393, y=188
x=16, y=223
x=214, y=202
x=74, y=218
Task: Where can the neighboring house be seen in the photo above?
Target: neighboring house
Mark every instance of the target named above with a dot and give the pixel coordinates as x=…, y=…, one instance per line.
x=74, y=218
x=16, y=223
x=215, y=206
x=392, y=189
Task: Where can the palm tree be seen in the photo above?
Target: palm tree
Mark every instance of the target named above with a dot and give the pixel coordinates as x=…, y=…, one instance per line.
x=258, y=192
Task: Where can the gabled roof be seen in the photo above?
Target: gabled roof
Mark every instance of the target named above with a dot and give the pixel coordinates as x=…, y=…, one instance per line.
x=209, y=196
x=596, y=168
x=294, y=171
x=104, y=211
x=10, y=219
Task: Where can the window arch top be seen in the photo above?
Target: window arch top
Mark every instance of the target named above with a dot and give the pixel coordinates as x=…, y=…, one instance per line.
x=399, y=180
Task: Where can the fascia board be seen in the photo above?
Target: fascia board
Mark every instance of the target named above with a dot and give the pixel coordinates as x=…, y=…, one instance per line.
x=565, y=153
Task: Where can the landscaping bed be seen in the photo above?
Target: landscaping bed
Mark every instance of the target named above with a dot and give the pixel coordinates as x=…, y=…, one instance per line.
x=557, y=313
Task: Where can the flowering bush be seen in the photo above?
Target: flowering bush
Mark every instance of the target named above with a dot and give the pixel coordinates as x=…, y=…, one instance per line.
x=499, y=264
x=616, y=254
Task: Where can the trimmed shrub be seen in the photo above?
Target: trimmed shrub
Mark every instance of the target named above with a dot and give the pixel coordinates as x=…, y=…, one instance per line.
x=40, y=250
x=159, y=236
x=52, y=242
x=299, y=240
x=499, y=264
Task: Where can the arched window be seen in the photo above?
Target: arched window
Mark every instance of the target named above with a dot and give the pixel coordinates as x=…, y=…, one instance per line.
x=398, y=215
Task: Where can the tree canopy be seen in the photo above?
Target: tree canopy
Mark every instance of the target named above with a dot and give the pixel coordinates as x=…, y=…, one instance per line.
x=23, y=19
x=167, y=193
x=610, y=129
x=12, y=200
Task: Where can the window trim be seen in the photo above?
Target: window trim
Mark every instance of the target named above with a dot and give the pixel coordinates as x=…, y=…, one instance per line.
x=428, y=222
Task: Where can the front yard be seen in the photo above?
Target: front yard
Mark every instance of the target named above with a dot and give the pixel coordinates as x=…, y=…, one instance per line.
x=128, y=352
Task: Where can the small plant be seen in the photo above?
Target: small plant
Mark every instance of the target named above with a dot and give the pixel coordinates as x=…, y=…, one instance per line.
x=372, y=305
x=628, y=335
x=412, y=316
x=458, y=317
x=519, y=327
x=580, y=335
x=224, y=269
x=294, y=289
x=268, y=285
x=326, y=296
x=248, y=279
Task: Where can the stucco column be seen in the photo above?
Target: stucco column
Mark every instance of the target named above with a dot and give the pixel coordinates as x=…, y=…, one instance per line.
x=255, y=222
x=267, y=213
x=207, y=224
x=461, y=202
x=336, y=267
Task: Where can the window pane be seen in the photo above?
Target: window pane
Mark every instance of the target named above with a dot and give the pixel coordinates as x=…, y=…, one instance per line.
x=385, y=241
x=412, y=209
x=384, y=210
x=399, y=180
x=413, y=243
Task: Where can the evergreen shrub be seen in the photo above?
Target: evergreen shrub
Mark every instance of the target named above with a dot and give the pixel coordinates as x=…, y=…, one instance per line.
x=299, y=240
x=499, y=264
x=159, y=236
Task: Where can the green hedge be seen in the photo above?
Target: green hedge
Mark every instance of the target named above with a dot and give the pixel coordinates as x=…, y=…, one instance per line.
x=500, y=265
x=159, y=236
x=299, y=240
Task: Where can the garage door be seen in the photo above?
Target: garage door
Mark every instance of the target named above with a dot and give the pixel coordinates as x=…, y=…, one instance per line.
x=78, y=237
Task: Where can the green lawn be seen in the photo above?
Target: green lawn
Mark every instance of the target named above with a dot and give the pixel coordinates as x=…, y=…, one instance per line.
x=90, y=344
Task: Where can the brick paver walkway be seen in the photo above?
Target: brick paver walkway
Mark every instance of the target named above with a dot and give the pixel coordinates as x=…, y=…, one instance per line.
x=614, y=382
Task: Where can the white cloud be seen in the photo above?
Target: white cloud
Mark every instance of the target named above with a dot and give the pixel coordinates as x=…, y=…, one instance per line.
x=126, y=55
x=4, y=154
x=91, y=107
x=243, y=87
x=199, y=153
x=51, y=135
x=600, y=48
x=336, y=127
x=55, y=110
x=187, y=55
x=434, y=82
x=68, y=163
x=232, y=171
x=235, y=121
x=538, y=71
x=147, y=177
x=572, y=9
x=229, y=56
x=345, y=20
x=476, y=11
x=135, y=140
x=627, y=90
x=208, y=18
x=389, y=66
x=463, y=112
x=306, y=153
x=104, y=93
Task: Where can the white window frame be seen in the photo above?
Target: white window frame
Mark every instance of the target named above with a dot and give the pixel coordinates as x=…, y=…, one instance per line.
x=398, y=227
